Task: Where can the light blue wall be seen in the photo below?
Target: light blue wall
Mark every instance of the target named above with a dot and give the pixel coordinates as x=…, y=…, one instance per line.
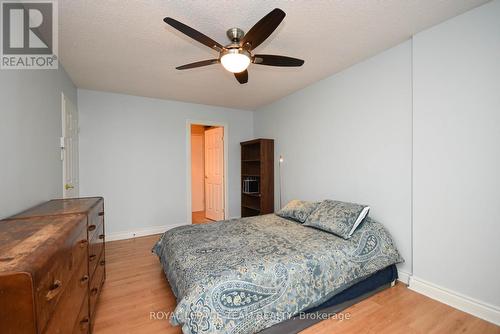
x=457, y=154
x=348, y=137
x=133, y=152
x=30, y=127
x=414, y=132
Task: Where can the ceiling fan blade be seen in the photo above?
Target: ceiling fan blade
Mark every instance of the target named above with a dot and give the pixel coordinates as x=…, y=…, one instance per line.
x=274, y=60
x=263, y=29
x=194, y=34
x=242, y=77
x=198, y=64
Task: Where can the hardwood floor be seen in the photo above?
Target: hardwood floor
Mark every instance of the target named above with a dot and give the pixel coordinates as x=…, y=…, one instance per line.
x=135, y=286
x=199, y=218
x=136, y=294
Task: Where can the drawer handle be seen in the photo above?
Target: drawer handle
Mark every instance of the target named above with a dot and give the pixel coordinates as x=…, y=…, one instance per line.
x=102, y=263
x=92, y=227
x=94, y=291
x=83, y=243
x=101, y=236
x=101, y=214
x=84, y=279
x=54, y=290
x=84, y=323
x=92, y=257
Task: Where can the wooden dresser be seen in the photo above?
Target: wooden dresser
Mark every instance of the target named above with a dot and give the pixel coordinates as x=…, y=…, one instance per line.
x=52, y=267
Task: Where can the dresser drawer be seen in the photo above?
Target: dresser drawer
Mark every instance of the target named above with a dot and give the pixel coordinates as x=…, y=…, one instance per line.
x=96, y=247
x=52, y=282
x=67, y=311
x=95, y=219
x=17, y=315
x=96, y=285
x=82, y=325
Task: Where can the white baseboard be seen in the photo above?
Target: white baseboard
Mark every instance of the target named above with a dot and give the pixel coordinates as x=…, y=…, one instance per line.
x=404, y=276
x=475, y=307
x=145, y=231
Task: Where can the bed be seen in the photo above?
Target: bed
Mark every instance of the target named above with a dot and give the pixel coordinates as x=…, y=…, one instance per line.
x=256, y=274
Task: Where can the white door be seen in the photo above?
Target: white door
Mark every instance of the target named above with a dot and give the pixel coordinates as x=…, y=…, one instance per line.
x=214, y=173
x=69, y=148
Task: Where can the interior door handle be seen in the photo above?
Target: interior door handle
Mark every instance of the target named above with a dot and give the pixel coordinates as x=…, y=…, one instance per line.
x=68, y=186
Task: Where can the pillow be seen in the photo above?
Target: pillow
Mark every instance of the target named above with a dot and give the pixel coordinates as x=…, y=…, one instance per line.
x=297, y=210
x=336, y=217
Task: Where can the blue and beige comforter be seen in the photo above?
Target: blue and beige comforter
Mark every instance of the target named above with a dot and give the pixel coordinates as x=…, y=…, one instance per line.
x=244, y=275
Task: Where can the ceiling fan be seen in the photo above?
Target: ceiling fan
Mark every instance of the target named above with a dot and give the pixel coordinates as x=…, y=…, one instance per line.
x=237, y=55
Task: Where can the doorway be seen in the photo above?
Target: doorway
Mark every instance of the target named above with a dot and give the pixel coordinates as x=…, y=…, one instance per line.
x=207, y=160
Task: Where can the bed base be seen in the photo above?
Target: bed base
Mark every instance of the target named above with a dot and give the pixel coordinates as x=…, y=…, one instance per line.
x=366, y=288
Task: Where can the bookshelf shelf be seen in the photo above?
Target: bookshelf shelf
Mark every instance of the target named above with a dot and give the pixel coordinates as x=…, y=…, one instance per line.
x=251, y=194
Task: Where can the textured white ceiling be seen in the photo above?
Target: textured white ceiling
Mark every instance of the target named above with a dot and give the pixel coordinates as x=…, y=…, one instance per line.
x=124, y=46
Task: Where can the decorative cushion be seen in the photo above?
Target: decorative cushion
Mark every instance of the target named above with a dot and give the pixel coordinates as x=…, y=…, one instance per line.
x=297, y=210
x=337, y=217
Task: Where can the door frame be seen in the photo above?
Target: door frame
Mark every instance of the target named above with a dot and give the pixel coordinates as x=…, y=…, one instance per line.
x=224, y=125
x=64, y=100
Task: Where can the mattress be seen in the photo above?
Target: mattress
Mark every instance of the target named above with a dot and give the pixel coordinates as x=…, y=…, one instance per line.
x=246, y=275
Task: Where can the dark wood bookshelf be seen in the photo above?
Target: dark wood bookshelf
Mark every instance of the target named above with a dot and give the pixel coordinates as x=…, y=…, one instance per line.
x=257, y=162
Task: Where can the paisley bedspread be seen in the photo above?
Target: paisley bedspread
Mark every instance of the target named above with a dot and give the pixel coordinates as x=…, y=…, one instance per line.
x=244, y=275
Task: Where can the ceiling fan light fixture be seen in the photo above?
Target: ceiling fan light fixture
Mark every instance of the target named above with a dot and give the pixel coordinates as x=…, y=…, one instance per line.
x=237, y=56
x=235, y=60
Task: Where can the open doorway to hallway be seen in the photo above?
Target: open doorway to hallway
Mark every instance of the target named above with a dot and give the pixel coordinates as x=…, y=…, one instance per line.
x=207, y=173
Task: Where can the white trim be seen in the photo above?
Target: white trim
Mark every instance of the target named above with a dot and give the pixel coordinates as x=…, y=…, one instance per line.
x=150, y=230
x=404, y=277
x=475, y=307
x=61, y=144
x=224, y=125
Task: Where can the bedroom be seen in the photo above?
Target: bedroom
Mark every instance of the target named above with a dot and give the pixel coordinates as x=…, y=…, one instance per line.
x=396, y=106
